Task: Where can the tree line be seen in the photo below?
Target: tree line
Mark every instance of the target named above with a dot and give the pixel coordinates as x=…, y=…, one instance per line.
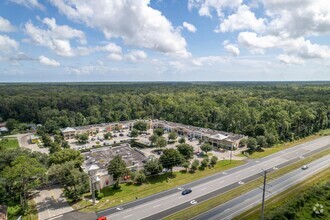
x=275, y=111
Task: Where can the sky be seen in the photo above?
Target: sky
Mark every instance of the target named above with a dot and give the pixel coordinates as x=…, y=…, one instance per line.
x=164, y=40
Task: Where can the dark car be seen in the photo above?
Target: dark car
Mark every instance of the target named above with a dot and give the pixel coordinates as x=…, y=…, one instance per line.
x=186, y=191
x=121, y=134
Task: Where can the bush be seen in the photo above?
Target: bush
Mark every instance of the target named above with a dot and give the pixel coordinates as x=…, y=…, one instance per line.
x=14, y=211
x=98, y=195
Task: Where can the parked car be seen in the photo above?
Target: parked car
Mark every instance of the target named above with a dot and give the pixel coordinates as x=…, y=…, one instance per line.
x=121, y=134
x=186, y=191
x=305, y=167
x=102, y=218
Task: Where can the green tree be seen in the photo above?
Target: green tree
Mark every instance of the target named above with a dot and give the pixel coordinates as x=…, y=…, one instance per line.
x=46, y=140
x=161, y=142
x=214, y=160
x=243, y=142
x=271, y=139
x=153, y=139
x=186, y=165
x=107, y=135
x=117, y=168
x=140, y=126
x=140, y=177
x=24, y=175
x=11, y=124
x=205, y=162
x=66, y=155
x=159, y=131
x=74, y=182
x=194, y=165
x=65, y=144
x=54, y=147
x=153, y=167
x=82, y=138
x=252, y=144
x=134, y=132
x=182, y=140
x=172, y=136
x=186, y=150
x=261, y=141
x=170, y=158
x=206, y=147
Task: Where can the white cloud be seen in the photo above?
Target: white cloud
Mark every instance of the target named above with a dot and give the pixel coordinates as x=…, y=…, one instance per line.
x=29, y=3
x=233, y=50
x=205, y=6
x=110, y=47
x=132, y=20
x=55, y=37
x=5, y=25
x=243, y=19
x=115, y=57
x=136, y=55
x=49, y=62
x=298, y=18
x=7, y=44
x=290, y=59
x=292, y=46
x=189, y=27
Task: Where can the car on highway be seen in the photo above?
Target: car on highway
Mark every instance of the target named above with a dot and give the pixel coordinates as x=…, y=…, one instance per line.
x=305, y=167
x=186, y=191
x=102, y=218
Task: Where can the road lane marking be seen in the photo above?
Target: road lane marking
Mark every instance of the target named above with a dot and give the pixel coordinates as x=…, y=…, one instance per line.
x=193, y=202
x=203, y=189
x=156, y=206
x=127, y=216
x=238, y=175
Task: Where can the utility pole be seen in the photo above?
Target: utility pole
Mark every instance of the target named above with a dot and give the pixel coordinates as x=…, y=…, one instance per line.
x=263, y=196
x=231, y=153
x=93, y=190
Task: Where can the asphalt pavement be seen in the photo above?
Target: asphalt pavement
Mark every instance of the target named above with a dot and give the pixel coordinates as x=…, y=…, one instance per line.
x=51, y=203
x=251, y=199
x=165, y=203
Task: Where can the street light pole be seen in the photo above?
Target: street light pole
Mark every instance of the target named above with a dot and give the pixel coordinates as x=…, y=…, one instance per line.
x=93, y=191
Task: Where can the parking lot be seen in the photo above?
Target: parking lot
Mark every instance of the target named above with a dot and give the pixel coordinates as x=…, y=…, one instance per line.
x=123, y=135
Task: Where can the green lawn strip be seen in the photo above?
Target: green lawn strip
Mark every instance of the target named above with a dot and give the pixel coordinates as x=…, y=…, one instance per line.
x=9, y=143
x=268, y=151
x=285, y=196
x=156, y=184
x=220, y=199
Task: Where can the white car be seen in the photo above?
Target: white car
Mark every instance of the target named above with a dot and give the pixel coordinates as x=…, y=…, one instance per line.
x=304, y=167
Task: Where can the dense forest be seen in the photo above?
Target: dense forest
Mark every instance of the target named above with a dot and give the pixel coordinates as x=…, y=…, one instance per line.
x=279, y=111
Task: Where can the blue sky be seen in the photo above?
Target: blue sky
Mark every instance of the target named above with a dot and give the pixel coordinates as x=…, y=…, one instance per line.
x=164, y=40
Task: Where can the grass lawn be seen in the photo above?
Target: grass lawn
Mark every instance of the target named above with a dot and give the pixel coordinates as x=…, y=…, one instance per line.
x=129, y=192
x=285, y=197
x=269, y=151
x=220, y=199
x=9, y=143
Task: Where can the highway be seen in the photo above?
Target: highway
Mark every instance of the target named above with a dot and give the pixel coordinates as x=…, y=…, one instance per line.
x=249, y=200
x=165, y=203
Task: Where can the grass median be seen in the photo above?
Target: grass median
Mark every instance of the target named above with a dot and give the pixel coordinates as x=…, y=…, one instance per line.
x=285, y=196
x=220, y=199
x=129, y=192
x=268, y=151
